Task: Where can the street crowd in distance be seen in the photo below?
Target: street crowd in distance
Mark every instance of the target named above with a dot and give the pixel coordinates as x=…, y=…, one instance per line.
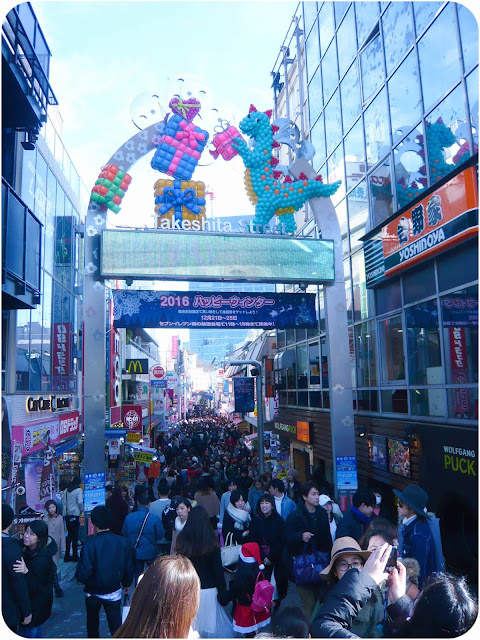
x=210, y=548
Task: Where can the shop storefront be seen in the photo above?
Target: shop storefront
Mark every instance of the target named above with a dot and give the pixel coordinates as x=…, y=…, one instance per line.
x=296, y=438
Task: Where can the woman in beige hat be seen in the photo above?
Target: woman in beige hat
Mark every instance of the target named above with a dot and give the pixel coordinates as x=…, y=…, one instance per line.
x=347, y=554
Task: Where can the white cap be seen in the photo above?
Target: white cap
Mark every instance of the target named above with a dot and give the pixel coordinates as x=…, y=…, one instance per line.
x=324, y=499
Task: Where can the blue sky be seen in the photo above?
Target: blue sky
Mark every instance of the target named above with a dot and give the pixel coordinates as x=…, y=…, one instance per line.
x=104, y=54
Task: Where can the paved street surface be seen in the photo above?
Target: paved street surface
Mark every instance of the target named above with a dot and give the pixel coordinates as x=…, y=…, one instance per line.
x=68, y=619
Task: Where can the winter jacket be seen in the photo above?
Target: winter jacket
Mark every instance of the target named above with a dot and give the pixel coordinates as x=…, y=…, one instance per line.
x=40, y=581
x=224, y=502
x=254, y=496
x=229, y=527
x=56, y=530
x=295, y=492
x=415, y=540
x=344, y=602
x=350, y=525
x=72, y=502
x=300, y=521
x=106, y=563
x=15, y=598
x=210, y=571
x=269, y=531
x=287, y=505
x=209, y=502
x=119, y=511
x=152, y=533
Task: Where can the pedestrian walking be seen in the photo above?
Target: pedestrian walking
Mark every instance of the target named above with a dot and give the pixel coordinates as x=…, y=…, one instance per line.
x=182, y=510
x=357, y=519
x=327, y=503
x=105, y=566
x=207, y=498
x=118, y=508
x=419, y=532
x=230, y=485
x=198, y=542
x=256, y=492
x=158, y=506
x=307, y=525
x=16, y=607
x=294, y=486
x=236, y=519
x=73, y=509
x=38, y=567
x=144, y=532
x=56, y=530
x=283, y=504
x=165, y=601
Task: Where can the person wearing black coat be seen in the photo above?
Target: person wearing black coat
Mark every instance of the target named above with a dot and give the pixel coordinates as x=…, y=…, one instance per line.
x=357, y=519
x=105, y=565
x=38, y=566
x=16, y=608
x=236, y=519
x=307, y=525
x=267, y=529
x=118, y=508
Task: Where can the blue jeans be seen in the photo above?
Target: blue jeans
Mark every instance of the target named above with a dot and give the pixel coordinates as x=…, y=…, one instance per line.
x=30, y=632
x=139, y=567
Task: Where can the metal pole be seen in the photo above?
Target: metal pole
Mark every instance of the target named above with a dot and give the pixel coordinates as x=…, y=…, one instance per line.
x=261, y=447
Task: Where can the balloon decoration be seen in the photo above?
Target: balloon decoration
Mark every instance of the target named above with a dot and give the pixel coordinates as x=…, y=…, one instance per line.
x=269, y=191
x=187, y=109
x=179, y=148
x=179, y=200
x=110, y=187
x=222, y=141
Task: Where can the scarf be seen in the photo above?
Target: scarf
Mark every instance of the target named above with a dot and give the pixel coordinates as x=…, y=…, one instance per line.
x=240, y=516
x=179, y=524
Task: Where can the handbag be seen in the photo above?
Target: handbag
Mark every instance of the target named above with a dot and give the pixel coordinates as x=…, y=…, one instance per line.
x=125, y=608
x=230, y=552
x=139, y=535
x=308, y=565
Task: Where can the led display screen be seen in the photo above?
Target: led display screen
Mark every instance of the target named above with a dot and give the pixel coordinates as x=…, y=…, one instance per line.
x=197, y=256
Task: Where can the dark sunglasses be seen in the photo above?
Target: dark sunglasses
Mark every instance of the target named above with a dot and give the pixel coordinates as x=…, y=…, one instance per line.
x=400, y=504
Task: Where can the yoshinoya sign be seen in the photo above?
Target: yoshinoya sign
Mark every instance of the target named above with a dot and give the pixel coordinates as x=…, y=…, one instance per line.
x=213, y=310
x=444, y=218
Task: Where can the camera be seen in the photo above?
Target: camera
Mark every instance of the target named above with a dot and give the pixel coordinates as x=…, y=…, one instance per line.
x=393, y=558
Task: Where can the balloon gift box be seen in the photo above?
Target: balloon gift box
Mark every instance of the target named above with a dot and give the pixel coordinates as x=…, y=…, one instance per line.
x=179, y=200
x=179, y=148
x=222, y=141
x=110, y=187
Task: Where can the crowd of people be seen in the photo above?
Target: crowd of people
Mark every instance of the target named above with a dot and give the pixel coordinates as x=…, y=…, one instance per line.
x=210, y=548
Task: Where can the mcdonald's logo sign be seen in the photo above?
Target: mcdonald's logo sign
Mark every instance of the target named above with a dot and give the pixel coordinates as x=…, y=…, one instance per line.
x=136, y=366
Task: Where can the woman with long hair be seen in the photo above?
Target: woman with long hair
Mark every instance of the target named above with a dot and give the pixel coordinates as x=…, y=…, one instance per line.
x=56, y=531
x=198, y=542
x=208, y=499
x=165, y=601
x=182, y=509
x=267, y=530
x=38, y=566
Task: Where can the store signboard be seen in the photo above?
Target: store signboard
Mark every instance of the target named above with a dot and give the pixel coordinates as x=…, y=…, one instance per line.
x=143, y=457
x=444, y=218
x=212, y=310
x=346, y=469
x=94, y=490
x=303, y=431
x=133, y=437
x=116, y=418
x=287, y=428
x=33, y=436
x=132, y=417
x=33, y=474
x=113, y=446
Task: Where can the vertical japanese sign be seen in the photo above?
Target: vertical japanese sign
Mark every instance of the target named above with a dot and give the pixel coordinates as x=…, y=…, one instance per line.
x=174, y=347
x=61, y=353
x=458, y=360
x=47, y=479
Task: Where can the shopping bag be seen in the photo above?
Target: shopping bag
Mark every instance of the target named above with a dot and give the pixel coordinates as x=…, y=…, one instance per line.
x=230, y=552
x=125, y=608
x=308, y=565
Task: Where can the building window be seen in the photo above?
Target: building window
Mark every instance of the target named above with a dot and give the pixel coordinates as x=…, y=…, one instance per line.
x=317, y=138
x=367, y=16
x=439, y=57
x=373, y=71
x=367, y=400
x=302, y=367
x=355, y=155
x=326, y=23
x=405, y=98
x=394, y=401
x=315, y=98
x=388, y=297
x=365, y=348
x=423, y=344
x=409, y=163
x=309, y=14
x=424, y=13
x=428, y=402
x=357, y=214
x=398, y=34
x=330, y=71
x=23, y=350
x=361, y=295
x=314, y=363
x=381, y=196
x=391, y=349
x=419, y=283
x=377, y=136
x=458, y=266
x=463, y=403
x=347, y=36
x=350, y=90
x=312, y=51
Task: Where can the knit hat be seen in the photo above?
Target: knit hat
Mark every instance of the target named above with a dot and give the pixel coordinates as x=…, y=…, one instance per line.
x=414, y=497
x=324, y=499
x=342, y=547
x=250, y=552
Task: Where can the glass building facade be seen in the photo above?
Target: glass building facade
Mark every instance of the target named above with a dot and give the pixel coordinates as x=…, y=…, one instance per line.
x=387, y=92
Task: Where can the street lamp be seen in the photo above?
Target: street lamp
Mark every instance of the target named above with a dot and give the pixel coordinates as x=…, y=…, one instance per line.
x=261, y=447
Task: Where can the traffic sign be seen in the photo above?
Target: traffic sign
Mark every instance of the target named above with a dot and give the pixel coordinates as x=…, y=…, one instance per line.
x=158, y=372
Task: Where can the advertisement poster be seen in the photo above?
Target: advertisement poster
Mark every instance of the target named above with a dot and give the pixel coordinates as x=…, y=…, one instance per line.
x=243, y=390
x=33, y=436
x=398, y=458
x=94, y=490
x=33, y=474
x=346, y=468
x=377, y=451
x=163, y=309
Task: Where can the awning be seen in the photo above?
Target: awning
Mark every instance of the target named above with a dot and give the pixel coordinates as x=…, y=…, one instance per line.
x=115, y=432
x=284, y=360
x=236, y=420
x=63, y=447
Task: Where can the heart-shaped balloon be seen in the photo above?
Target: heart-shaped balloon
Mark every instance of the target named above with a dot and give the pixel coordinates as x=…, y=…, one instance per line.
x=187, y=109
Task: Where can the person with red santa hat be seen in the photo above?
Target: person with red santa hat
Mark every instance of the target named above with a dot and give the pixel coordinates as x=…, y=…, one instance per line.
x=245, y=619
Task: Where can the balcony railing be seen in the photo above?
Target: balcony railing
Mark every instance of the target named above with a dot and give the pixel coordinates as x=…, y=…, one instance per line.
x=29, y=51
x=21, y=246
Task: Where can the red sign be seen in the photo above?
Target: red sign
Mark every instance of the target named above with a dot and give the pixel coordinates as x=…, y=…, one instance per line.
x=69, y=424
x=115, y=369
x=174, y=347
x=132, y=417
x=158, y=372
x=38, y=435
